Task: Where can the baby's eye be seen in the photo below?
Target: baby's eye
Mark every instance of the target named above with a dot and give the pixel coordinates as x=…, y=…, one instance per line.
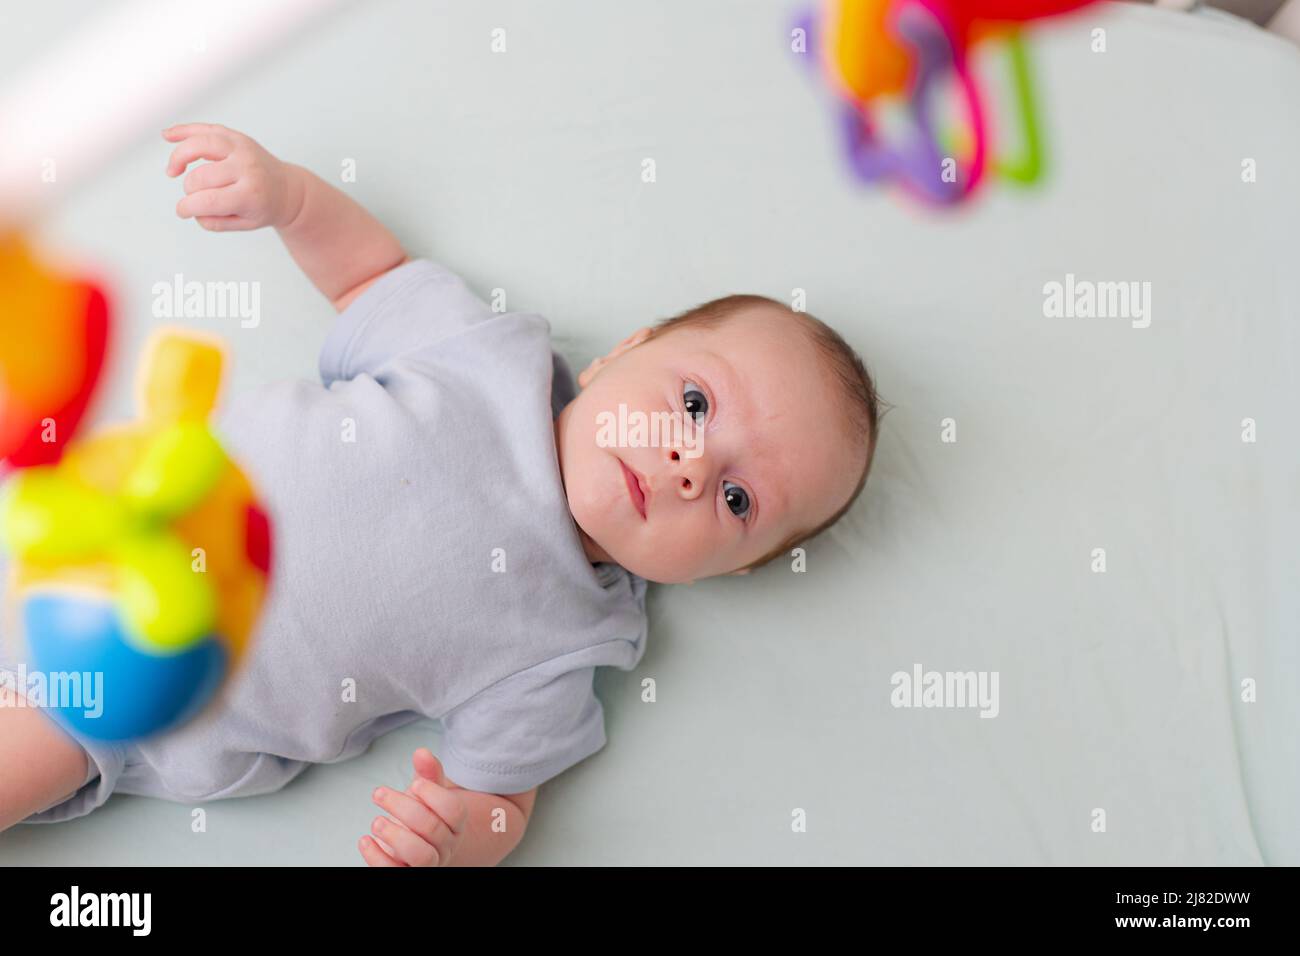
x=737, y=499
x=697, y=405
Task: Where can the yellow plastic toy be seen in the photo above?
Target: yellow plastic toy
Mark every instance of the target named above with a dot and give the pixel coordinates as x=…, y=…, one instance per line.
x=142, y=556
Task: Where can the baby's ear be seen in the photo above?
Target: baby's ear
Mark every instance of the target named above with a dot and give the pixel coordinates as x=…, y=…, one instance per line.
x=631, y=342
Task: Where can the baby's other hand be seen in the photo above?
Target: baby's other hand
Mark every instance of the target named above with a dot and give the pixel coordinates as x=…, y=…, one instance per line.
x=430, y=820
x=243, y=187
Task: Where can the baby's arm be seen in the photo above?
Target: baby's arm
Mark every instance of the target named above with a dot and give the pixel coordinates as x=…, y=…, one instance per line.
x=340, y=246
x=42, y=764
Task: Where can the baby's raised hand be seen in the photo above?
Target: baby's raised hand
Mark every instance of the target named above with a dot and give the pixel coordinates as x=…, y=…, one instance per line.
x=430, y=820
x=242, y=187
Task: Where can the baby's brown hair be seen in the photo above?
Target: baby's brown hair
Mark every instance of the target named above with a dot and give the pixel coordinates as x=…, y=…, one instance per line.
x=862, y=403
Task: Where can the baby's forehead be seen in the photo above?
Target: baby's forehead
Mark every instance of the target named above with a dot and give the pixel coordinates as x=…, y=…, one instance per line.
x=762, y=342
x=754, y=329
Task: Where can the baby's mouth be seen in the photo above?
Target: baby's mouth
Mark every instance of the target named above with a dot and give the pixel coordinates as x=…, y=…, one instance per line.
x=635, y=488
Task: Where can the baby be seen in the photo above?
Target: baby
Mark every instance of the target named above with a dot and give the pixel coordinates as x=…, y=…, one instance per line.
x=460, y=533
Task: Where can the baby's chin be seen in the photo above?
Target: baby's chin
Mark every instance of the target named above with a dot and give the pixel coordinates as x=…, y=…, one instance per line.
x=651, y=570
x=646, y=559
x=607, y=542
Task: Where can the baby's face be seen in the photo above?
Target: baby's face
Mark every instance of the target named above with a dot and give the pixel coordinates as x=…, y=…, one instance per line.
x=768, y=457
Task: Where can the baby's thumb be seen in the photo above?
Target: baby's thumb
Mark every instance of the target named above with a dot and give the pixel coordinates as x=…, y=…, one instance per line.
x=427, y=765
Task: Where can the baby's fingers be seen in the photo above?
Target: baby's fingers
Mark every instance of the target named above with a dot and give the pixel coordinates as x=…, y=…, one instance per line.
x=446, y=803
x=411, y=848
x=409, y=811
x=374, y=853
x=182, y=130
x=212, y=146
x=208, y=202
x=225, y=223
x=210, y=176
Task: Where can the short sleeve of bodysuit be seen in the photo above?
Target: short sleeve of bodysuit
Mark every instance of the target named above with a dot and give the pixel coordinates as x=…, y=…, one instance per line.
x=409, y=308
x=523, y=730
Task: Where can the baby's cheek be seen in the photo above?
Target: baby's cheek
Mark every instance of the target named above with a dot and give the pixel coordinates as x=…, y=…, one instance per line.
x=593, y=493
x=687, y=552
x=584, y=499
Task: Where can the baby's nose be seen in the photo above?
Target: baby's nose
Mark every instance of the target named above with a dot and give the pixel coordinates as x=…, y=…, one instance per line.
x=685, y=475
